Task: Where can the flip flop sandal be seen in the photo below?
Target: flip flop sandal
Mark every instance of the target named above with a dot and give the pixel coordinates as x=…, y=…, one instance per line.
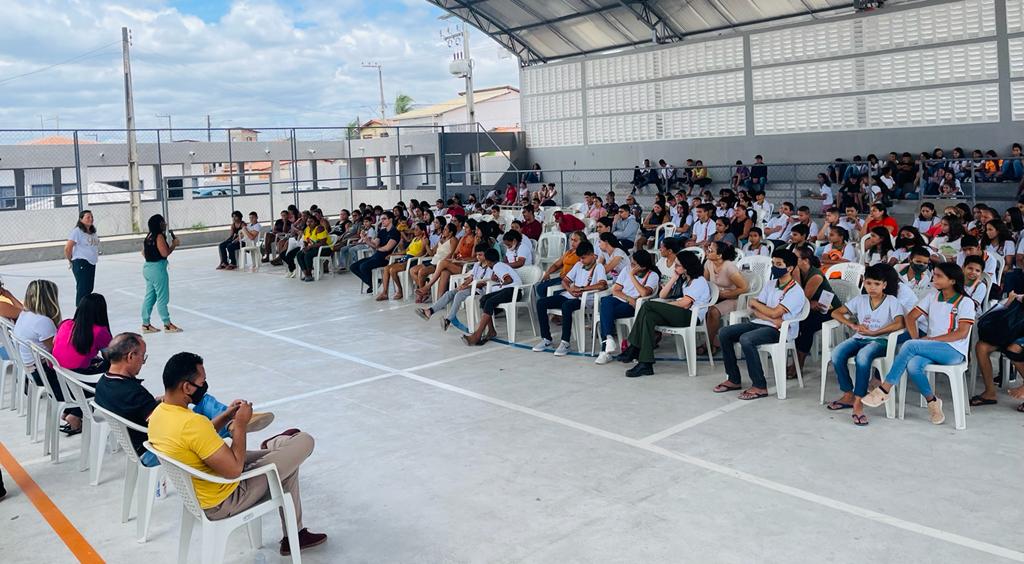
x=722, y=388
x=747, y=396
x=172, y=329
x=1020, y=408
x=465, y=339
x=67, y=430
x=859, y=420
x=149, y=329
x=837, y=405
x=978, y=400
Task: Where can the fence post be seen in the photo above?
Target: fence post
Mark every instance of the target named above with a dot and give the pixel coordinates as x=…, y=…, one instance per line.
x=295, y=169
x=442, y=168
x=398, y=160
x=78, y=176
x=231, y=174
x=348, y=167
x=793, y=184
x=611, y=181
x=561, y=182
x=974, y=184
x=159, y=177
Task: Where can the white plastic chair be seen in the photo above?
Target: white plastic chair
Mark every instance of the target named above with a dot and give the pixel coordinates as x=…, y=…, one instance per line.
x=143, y=491
x=54, y=408
x=94, y=427
x=252, y=249
x=579, y=317
x=779, y=351
x=9, y=369
x=27, y=404
x=530, y=275
x=329, y=258
x=957, y=374
x=880, y=365
x=849, y=271
x=757, y=271
x=686, y=337
x=550, y=248
x=215, y=533
x=663, y=231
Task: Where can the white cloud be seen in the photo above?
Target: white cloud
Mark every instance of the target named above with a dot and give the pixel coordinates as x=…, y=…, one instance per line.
x=264, y=63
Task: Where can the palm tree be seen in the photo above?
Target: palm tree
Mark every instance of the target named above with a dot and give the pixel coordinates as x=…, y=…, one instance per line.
x=403, y=103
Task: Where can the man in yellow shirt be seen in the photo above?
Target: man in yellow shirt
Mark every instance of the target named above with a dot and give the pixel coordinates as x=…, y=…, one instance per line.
x=190, y=438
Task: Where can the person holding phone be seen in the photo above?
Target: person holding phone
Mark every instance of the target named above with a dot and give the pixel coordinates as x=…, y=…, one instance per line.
x=156, y=249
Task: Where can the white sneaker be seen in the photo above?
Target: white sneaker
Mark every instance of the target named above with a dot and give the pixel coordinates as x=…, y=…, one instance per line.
x=563, y=349
x=610, y=346
x=935, y=412
x=542, y=345
x=604, y=358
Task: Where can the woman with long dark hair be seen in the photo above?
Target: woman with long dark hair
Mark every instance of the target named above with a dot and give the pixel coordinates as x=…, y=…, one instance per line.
x=76, y=347
x=951, y=314
x=83, y=252
x=641, y=280
x=156, y=249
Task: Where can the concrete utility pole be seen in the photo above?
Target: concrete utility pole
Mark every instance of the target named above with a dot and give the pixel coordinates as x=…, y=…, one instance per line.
x=133, y=149
x=470, y=110
x=380, y=81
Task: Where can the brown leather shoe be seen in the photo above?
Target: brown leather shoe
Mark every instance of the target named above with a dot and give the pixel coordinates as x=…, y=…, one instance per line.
x=288, y=433
x=306, y=540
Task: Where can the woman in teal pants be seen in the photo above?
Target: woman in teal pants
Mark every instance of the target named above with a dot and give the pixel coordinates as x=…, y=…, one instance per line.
x=158, y=292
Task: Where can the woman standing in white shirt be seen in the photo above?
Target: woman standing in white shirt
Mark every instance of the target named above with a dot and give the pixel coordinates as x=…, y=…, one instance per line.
x=83, y=252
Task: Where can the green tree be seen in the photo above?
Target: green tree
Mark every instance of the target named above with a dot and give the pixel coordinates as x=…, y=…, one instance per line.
x=403, y=103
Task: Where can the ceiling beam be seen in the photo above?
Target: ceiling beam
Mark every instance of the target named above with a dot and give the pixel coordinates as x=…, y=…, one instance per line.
x=643, y=13
x=565, y=18
x=554, y=28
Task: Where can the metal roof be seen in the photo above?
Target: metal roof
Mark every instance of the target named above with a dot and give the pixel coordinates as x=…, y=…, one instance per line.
x=542, y=31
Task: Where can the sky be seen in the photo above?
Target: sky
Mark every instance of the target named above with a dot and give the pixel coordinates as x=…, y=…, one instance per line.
x=246, y=63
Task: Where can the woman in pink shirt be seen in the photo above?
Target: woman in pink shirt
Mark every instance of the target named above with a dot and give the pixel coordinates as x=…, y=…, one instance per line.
x=79, y=341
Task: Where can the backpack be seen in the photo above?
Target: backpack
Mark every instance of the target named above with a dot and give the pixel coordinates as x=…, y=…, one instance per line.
x=1002, y=326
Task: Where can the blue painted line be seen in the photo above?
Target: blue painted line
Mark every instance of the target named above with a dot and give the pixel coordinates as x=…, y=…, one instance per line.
x=459, y=325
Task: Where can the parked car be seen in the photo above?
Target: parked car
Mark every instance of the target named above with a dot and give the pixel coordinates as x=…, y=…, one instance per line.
x=213, y=191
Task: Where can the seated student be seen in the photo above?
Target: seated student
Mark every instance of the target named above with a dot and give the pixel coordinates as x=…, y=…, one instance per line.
x=915, y=273
x=815, y=284
x=977, y=289
x=798, y=237
x=1014, y=351
x=755, y=245
x=37, y=324
x=779, y=300
x=969, y=246
x=417, y=248
x=531, y=227
x=464, y=254
x=908, y=238
x=878, y=246
x=704, y=227
x=947, y=242
x=444, y=248
x=778, y=228
x=852, y=223
x=500, y=289
x=518, y=249
x=568, y=223
x=831, y=220
x=950, y=316
x=121, y=391
x=383, y=245
x=639, y=281
x=249, y=235
x=877, y=313
x=472, y=284
x=585, y=276
x=926, y=218
x=228, y=247
x=696, y=292
x=838, y=249
x=721, y=270
x=563, y=265
x=192, y=439
x=610, y=255
x=276, y=236
x=346, y=248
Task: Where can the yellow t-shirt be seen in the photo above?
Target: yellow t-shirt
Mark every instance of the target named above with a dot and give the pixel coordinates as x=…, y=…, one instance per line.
x=189, y=438
x=416, y=247
x=314, y=234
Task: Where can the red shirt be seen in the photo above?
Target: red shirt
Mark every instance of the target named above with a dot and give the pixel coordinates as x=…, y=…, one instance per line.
x=457, y=210
x=510, y=195
x=888, y=223
x=532, y=229
x=569, y=223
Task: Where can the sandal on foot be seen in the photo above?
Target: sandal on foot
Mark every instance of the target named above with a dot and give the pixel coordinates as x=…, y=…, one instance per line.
x=838, y=405
x=172, y=328
x=381, y=298
x=399, y=297
x=859, y=420
x=748, y=395
x=1020, y=408
x=978, y=400
x=465, y=339
x=722, y=388
x=147, y=328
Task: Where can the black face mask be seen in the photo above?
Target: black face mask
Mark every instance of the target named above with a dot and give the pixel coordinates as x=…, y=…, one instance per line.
x=199, y=393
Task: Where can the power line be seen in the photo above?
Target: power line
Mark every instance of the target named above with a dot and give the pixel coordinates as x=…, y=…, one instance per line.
x=64, y=62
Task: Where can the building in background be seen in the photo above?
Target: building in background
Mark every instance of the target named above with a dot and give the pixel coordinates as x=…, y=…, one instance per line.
x=495, y=108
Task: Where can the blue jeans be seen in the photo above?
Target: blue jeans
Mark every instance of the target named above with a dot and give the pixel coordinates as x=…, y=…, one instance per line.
x=208, y=407
x=1012, y=169
x=915, y=355
x=749, y=335
x=865, y=351
x=612, y=308
x=542, y=287
x=364, y=268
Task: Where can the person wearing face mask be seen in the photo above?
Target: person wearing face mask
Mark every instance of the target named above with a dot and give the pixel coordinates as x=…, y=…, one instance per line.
x=120, y=390
x=915, y=273
x=780, y=300
x=192, y=439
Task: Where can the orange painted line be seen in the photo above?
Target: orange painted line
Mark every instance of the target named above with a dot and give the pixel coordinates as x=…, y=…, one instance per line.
x=67, y=532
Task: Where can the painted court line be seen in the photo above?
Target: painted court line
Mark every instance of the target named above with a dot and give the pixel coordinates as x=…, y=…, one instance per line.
x=313, y=393
x=824, y=501
x=694, y=421
x=67, y=532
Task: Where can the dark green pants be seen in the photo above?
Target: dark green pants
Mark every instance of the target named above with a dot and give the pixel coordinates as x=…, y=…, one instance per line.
x=652, y=314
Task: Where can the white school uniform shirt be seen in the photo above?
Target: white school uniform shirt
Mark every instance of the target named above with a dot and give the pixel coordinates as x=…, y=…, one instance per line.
x=907, y=276
x=944, y=246
x=977, y=292
x=764, y=210
x=826, y=193
x=480, y=272
x=944, y=316
x=889, y=182
x=699, y=291
x=991, y=262
x=874, y=318
x=607, y=257
x=813, y=227
x=1008, y=249
x=923, y=225
x=582, y=277
x=850, y=226
x=849, y=253
x=901, y=255
x=791, y=297
x=702, y=231
x=908, y=301
x=524, y=250
x=763, y=250
x=628, y=288
x=776, y=222
x=501, y=270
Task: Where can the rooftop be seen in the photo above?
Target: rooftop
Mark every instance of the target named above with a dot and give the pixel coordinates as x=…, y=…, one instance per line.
x=481, y=95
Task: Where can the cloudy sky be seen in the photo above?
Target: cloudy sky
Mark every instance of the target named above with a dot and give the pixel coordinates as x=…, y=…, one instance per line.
x=258, y=63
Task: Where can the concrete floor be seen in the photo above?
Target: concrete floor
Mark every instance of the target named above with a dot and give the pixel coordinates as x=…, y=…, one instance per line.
x=428, y=451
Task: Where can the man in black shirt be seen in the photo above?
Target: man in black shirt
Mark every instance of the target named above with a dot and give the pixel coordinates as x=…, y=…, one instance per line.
x=758, y=175
x=386, y=243
x=121, y=391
